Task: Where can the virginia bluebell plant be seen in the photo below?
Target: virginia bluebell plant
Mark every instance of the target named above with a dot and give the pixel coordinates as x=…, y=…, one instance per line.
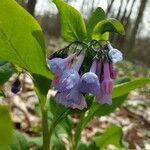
x=72, y=84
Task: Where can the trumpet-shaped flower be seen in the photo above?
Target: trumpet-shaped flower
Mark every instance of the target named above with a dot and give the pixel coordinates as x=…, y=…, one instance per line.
x=68, y=87
x=107, y=84
x=104, y=96
x=72, y=98
x=58, y=65
x=89, y=82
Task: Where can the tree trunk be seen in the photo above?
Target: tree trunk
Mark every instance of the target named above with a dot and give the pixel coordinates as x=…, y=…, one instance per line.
x=92, y=6
x=109, y=7
x=136, y=25
x=125, y=12
x=119, y=38
x=31, y=6
x=127, y=26
x=119, y=11
x=82, y=6
x=127, y=22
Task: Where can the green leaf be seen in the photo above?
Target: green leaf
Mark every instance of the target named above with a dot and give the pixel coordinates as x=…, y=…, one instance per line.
x=59, y=146
x=103, y=110
x=120, y=93
x=22, y=42
x=34, y=140
x=122, y=80
x=19, y=141
x=112, y=135
x=6, y=127
x=72, y=24
x=82, y=146
x=91, y=146
x=6, y=71
x=125, y=88
x=97, y=15
x=101, y=37
x=105, y=26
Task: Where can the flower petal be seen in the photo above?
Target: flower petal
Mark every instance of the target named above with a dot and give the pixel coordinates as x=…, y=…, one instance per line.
x=104, y=98
x=67, y=81
x=72, y=98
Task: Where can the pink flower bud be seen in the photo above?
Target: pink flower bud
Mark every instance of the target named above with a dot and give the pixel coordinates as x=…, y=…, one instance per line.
x=113, y=71
x=107, y=84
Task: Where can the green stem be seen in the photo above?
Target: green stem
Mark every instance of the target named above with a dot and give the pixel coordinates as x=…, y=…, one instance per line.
x=79, y=128
x=42, y=102
x=83, y=122
x=55, y=122
x=46, y=142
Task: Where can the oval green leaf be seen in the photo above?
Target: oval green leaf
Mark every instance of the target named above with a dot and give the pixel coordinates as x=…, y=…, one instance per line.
x=6, y=127
x=19, y=141
x=6, y=71
x=21, y=39
x=126, y=87
x=112, y=135
x=97, y=16
x=107, y=25
x=72, y=24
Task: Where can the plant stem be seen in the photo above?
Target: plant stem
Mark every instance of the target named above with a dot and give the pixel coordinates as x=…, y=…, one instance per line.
x=54, y=124
x=46, y=142
x=79, y=128
x=42, y=102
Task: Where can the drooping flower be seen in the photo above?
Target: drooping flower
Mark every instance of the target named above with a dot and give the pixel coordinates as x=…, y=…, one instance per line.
x=72, y=98
x=98, y=81
x=68, y=87
x=58, y=65
x=105, y=94
x=89, y=82
x=107, y=84
x=114, y=54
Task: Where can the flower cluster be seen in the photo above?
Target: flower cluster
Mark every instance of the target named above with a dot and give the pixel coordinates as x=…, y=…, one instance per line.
x=72, y=85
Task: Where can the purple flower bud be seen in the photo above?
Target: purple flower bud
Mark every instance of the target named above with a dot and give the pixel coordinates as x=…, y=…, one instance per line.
x=72, y=98
x=113, y=71
x=58, y=65
x=89, y=82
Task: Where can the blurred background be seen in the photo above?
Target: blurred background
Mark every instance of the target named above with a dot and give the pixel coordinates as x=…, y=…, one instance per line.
x=134, y=14
x=134, y=114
